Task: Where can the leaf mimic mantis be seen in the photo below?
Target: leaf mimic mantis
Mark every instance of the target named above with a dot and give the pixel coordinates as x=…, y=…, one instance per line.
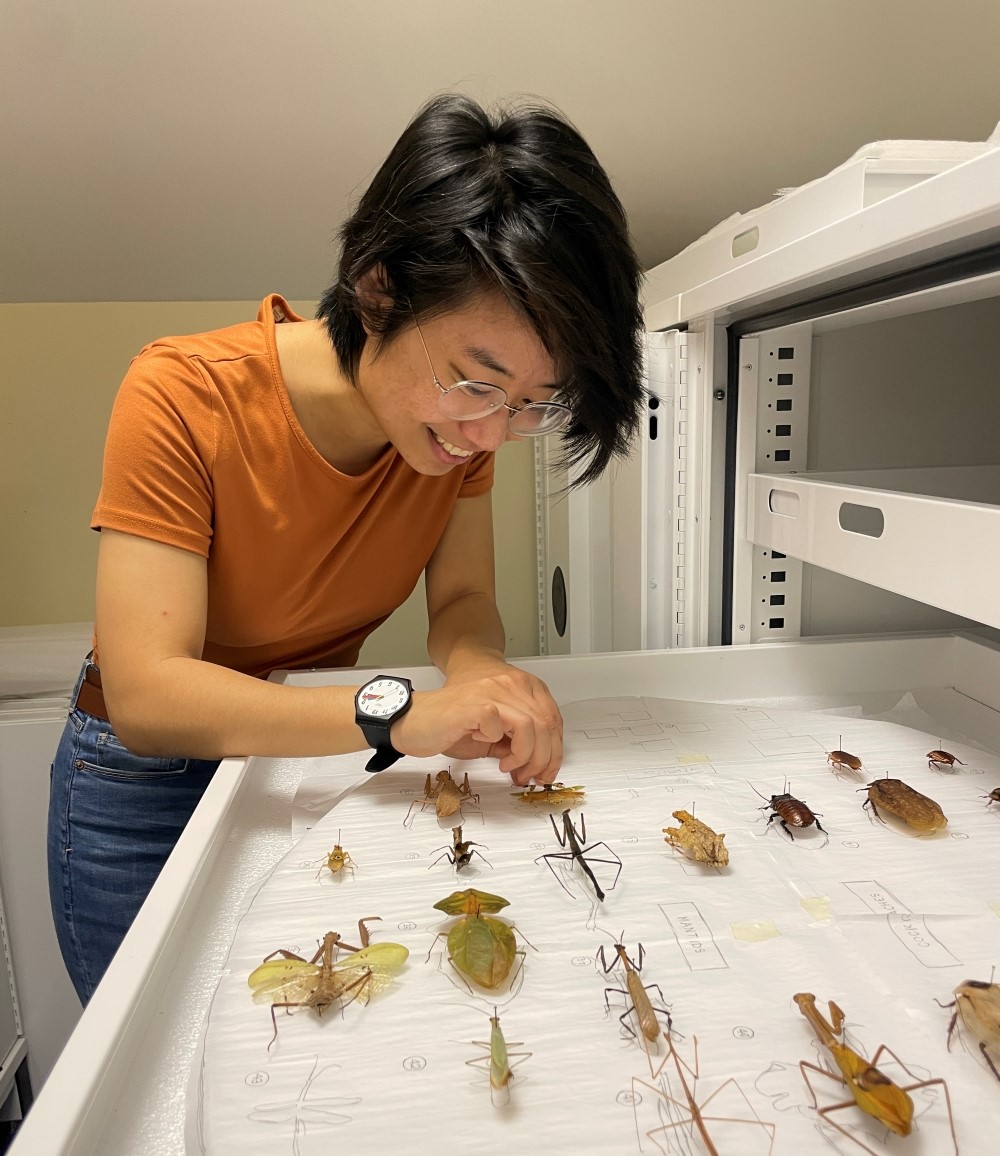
x=550, y=795
x=291, y=981
x=460, y=853
x=871, y=1090
x=498, y=1062
x=337, y=862
x=480, y=946
x=636, y=991
x=697, y=840
x=686, y=1117
x=575, y=840
x=446, y=796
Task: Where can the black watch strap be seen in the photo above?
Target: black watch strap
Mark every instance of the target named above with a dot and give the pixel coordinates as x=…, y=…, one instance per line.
x=383, y=757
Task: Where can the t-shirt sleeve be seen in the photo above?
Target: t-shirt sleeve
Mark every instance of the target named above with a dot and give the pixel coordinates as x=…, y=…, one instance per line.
x=159, y=454
x=478, y=476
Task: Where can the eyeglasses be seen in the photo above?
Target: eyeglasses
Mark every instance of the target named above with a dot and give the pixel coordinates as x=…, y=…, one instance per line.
x=468, y=400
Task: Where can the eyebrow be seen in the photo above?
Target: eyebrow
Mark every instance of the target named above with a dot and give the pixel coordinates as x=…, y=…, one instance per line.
x=486, y=359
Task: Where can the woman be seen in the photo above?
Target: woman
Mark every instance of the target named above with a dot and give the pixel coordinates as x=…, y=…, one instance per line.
x=272, y=492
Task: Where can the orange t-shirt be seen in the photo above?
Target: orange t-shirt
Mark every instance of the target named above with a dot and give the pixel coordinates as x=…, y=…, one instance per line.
x=205, y=452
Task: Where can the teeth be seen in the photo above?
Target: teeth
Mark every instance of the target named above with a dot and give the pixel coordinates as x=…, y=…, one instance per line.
x=453, y=450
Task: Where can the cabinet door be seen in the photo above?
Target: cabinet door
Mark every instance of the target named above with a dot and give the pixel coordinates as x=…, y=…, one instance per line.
x=9, y=1032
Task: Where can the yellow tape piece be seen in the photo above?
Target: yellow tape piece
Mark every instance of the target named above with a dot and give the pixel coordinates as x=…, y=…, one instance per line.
x=755, y=931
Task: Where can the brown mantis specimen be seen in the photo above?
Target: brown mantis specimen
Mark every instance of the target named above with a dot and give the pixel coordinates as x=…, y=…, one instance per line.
x=871, y=1090
x=787, y=809
x=445, y=795
x=842, y=761
x=938, y=759
x=901, y=800
x=291, y=981
x=550, y=795
x=338, y=861
x=575, y=840
x=978, y=1005
x=636, y=991
x=697, y=840
x=460, y=853
x=693, y=1119
x=498, y=1062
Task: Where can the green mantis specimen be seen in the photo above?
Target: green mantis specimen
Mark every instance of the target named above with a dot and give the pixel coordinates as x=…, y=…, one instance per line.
x=498, y=1062
x=480, y=946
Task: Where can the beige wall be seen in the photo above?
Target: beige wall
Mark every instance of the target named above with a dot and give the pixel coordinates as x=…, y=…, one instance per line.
x=61, y=367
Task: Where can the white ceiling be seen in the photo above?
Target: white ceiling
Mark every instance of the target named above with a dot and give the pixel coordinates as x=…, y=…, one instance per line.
x=209, y=149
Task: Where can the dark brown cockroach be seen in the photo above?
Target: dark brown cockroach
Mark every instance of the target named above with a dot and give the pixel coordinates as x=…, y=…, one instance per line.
x=978, y=1003
x=842, y=761
x=992, y=797
x=901, y=800
x=938, y=759
x=787, y=809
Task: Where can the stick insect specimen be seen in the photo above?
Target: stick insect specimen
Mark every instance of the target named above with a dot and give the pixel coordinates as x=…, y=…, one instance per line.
x=693, y=1118
x=291, y=981
x=938, y=759
x=636, y=991
x=901, y=800
x=445, y=795
x=337, y=862
x=460, y=853
x=550, y=795
x=978, y=1005
x=575, y=840
x=480, y=946
x=697, y=840
x=842, y=761
x=787, y=809
x=498, y=1062
x=871, y=1090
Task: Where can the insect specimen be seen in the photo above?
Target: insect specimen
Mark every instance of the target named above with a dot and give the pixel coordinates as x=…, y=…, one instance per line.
x=635, y=990
x=338, y=861
x=550, y=794
x=460, y=853
x=938, y=759
x=498, y=1062
x=697, y=841
x=481, y=946
x=787, y=809
x=901, y=800
x=992, y=797
x=978, y=1003
x=445, y=795
x=291, y=981
x=693, y=1118
x=575, y=840
x=871, y=1090
x=842, y=761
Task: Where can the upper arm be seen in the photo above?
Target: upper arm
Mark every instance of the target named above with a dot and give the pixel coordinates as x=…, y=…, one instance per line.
x=462, y=563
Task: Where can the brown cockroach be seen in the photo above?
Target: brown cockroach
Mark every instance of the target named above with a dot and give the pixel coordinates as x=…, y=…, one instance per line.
x=938, y=759
x=978, y=1003
x=842, y=761
x=445, y=794
x=787, y=809
x=992, y=797
x=337, y=861
x=460, y=853
x=550, y=794
x=901, y=800
x=635, y=990
x=697, y=840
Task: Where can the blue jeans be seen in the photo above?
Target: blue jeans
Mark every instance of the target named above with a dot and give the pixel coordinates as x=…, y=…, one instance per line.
x=114, y=818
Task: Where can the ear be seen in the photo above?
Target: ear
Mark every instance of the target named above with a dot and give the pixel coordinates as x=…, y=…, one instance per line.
x=374, y=291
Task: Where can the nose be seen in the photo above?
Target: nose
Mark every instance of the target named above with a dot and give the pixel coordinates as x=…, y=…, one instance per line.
x=488, y=433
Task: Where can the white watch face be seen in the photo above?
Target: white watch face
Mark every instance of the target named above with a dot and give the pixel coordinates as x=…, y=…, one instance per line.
x=382, y=698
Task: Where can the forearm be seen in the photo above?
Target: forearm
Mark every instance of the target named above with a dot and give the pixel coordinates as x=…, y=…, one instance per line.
x=465, y=634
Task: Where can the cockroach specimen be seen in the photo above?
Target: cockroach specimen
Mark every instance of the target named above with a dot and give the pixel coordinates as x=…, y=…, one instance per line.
x=291, y=981
x=337, y=861
x=871, y=1090
x=480, y=946
x=498, y=1062
x=842, y=761
x=697, y=841
x=787, y=809
x=978, y=1003
x=575, y=840
x=635, y=990
x=550, y=795
x=992, y=797
x=446, y=795
x=460, y=853
x=938, y=759
x=901, y=800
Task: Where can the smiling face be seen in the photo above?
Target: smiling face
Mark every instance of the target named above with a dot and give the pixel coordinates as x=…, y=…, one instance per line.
x=487, y=341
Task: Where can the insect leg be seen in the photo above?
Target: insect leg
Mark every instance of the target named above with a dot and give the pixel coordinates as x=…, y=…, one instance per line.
x=788, y=831
x=615, y=861
x=550, y=855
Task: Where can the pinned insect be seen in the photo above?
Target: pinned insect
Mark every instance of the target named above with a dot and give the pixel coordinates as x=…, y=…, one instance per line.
x=337, y=862
x=697, y=841
x=978, y=1004
x=992, y=797
x=480, y=946
x=445, y=795
x=460, y=853
x=842, y=761
x=575, y=840
x=938, y=759
x=550, y=795
x=901, y=800
x=789, y=810
x=871, y=1090
x=498, y=1062
x=291, y=981
x=636, y=991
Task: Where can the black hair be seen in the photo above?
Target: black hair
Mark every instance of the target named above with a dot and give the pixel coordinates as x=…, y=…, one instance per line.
x=511, y=202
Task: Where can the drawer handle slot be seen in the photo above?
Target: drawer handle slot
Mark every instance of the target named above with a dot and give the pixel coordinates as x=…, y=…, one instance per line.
x=867, y=520
x=746, y=241
x=783, y=502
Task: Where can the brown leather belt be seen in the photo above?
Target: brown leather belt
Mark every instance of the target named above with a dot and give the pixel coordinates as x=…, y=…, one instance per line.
x=90, y=696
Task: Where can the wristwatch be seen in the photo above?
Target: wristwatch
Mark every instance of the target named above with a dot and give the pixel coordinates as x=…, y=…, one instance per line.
x=377, y=705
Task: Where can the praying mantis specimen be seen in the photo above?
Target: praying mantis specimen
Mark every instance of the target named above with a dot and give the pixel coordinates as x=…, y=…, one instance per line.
x=337, y=861
x=445, y=794
x=575, y=840
x=480, y=946
x=636, y=990
x=871, y=1090
x=291, y=981
x=697, y=840
x=498, y=1062
x=460, y=853
x=550, y=794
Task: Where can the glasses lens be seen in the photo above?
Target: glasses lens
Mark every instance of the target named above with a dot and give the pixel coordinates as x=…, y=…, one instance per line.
x=540, y=418
x=471, y=399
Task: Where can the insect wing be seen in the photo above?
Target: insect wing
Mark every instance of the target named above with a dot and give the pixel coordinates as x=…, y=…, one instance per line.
x=380, y=957
x=470, y=902
x=483, y=948
x=276, y=978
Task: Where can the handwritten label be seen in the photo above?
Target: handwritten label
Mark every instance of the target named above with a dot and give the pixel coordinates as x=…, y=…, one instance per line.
x=911, y=930
x=694, y=937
